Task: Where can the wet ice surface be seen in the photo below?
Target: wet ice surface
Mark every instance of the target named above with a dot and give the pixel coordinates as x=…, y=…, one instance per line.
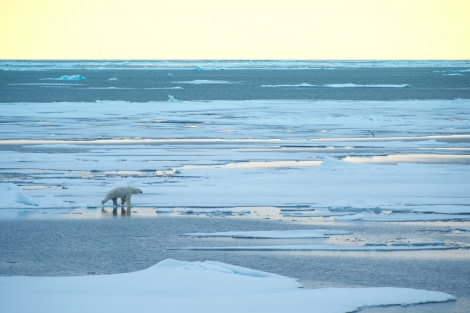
x=256, y=183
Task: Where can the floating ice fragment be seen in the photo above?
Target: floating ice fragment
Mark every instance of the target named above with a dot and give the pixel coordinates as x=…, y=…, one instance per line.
x=351, y=85
x=67, y=77
x=279, y=234
x=172, y=99
x=326, y=247
x=166, y=173
x=346, y=85
x=302, y=85
x=203, y=82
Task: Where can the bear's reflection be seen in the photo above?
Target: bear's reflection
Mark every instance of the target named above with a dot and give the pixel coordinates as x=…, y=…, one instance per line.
x=117, y=212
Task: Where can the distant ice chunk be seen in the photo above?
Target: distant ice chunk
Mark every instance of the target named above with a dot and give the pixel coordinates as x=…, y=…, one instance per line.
x=453, y=72
x=112, y=79
x=351, y=85
x=274, y=234
x=326, y=247
x=302, y=85
x=346, y=85
x=67, y=77
x=167, y=173
x=203, y=82
x=172, y=99
x=206, y=68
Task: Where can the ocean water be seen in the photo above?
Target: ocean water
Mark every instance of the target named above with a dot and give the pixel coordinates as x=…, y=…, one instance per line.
x=147, y=81
x=376, y=148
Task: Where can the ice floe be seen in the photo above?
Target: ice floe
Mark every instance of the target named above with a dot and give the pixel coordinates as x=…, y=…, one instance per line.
x=67, y=77
x=177, y=286
x=279, y=234
x=346, y=85
x=301, y=85
x=320, y=154
x=328, y=247
x=352, y=85
x=203, y=82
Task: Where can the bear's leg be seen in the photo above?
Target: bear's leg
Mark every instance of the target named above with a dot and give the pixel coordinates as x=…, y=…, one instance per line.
x=114, y=202
x=123, y=200
x=128, y=198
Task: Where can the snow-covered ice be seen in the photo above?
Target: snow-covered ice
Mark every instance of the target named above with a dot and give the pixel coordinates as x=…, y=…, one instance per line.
x=176, y=286
x=16, y=198
x=343, y=160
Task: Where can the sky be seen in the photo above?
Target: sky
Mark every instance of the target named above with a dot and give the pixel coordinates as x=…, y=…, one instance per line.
x=234, y=29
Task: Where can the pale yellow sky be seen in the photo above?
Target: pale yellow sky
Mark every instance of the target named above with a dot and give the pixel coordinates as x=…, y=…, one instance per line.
x=234, y=29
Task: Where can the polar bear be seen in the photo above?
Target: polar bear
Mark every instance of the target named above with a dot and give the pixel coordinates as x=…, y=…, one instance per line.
x=124, y=193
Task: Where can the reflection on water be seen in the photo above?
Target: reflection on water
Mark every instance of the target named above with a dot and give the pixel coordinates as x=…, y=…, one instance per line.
x=116, y=212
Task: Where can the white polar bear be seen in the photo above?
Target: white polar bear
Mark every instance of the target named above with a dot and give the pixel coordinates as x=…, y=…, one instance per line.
x=124, y=193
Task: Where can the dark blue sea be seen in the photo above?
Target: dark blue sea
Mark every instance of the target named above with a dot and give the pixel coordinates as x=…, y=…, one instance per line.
x=143, y=81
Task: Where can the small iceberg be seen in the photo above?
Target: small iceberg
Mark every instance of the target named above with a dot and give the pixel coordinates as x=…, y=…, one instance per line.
x=14, y=197
x=172, y=99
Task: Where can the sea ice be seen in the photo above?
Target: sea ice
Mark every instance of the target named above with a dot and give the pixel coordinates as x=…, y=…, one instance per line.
x=211, y=65
x=172, y=99
x=68, y=77
x=378, y=159
x=205, y=287
x=203, y=82
x=279, y=234
x=347, y=85
x=13, y=197
x=351, y=85
x=301, y=85
x=327, y=247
